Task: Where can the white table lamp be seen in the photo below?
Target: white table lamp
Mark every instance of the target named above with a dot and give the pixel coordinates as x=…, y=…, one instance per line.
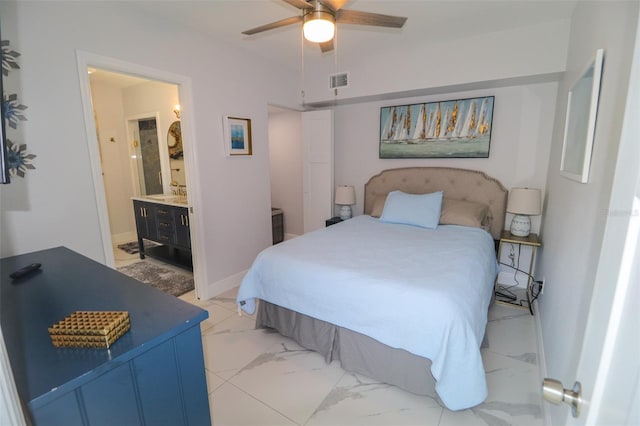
x=523, y=202
x=345, y=197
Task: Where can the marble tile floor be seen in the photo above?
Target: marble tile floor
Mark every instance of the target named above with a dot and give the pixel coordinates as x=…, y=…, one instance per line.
x=258, y=377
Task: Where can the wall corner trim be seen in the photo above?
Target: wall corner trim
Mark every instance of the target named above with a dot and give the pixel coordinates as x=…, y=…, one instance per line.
x=542, y=365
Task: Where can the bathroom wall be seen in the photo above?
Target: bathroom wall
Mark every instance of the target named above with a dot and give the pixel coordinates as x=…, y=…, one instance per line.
x=112, y=137
x=114, y=106
x=159, y=98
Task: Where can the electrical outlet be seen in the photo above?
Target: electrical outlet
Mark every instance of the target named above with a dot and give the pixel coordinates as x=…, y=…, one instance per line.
x=537, y=287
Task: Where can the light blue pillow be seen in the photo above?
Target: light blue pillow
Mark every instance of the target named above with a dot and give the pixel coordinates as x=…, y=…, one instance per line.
x=412, y=209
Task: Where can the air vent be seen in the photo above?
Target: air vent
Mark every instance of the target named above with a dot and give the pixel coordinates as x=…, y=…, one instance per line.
x=339, y=80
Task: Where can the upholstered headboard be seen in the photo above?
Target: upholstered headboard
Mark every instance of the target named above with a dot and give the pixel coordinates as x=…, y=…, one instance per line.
x=461, y=184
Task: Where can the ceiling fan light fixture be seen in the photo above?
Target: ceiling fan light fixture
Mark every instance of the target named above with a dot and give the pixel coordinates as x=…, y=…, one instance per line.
x=319, y=26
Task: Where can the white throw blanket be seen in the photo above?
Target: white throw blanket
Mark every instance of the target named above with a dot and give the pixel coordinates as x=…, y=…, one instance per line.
x=426, y=291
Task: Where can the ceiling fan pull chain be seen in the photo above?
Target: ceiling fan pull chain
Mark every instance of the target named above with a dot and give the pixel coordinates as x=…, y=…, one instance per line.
x=335, y=58
x=302, y=83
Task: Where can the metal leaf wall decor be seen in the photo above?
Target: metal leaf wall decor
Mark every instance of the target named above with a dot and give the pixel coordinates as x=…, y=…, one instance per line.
x=9, y=58
x=12, y=110
x=18, y=158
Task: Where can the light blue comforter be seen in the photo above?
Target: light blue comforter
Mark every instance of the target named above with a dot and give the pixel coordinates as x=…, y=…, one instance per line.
x=422, y=290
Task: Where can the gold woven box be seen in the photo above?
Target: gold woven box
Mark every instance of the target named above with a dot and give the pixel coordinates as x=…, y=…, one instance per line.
x=90, y=329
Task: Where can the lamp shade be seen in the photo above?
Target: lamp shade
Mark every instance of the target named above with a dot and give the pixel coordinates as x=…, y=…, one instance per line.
x=319, y=26
x=524, y=201
x=345, y=195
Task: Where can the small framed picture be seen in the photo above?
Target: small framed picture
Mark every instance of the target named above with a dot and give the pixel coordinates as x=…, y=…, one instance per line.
x=237, y=136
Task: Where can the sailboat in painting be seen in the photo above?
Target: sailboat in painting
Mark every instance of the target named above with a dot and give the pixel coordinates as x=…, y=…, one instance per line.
x=387, y=131
x=421, y=125
x=455, y=128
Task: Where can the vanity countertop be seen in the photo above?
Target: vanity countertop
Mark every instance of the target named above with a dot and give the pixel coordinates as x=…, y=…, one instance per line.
x=171, y=200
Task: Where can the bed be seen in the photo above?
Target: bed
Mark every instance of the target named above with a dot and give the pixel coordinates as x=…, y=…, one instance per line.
x=403, y=304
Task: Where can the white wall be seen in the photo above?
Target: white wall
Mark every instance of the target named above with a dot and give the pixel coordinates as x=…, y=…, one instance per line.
x=520, y=139
x=161, y=98
x=521, y=52
x=113, y=105
x=285, y=154
x=575, y=214
x=55, y=204
x=107, y=105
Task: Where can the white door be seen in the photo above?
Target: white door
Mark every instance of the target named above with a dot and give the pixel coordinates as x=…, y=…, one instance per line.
x=317, y=168
x=609, y=367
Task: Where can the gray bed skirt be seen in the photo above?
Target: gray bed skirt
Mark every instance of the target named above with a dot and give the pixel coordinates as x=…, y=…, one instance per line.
x=356, y=352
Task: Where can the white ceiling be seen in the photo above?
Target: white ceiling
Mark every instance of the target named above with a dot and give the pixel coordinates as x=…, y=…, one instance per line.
x=429, y=21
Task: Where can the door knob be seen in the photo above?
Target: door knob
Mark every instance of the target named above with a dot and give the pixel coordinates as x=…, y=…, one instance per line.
x=554, y=392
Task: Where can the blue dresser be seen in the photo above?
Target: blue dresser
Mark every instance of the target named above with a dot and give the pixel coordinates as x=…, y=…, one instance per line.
x=153, y=375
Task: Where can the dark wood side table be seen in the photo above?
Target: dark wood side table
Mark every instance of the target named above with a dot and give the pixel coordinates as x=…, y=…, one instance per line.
x=277, y=225
x=332, y=221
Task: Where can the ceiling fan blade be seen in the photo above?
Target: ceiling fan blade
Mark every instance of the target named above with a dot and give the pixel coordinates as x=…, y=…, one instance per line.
x=327, y=46
x=300, y=4
x=274, y=25
x=346, y=16
x=334, y=5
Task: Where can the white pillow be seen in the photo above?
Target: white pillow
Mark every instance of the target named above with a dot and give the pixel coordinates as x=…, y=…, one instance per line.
x=412, y=209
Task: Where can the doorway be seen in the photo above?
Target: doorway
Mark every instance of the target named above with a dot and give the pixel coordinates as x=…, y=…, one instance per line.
x=103, y=136
x=285, y=168
x=138, y=144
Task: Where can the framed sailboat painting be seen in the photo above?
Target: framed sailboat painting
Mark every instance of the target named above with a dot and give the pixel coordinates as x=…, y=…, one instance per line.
x=447, y=129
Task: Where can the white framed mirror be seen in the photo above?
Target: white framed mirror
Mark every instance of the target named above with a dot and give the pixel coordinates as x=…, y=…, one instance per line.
x=580, y=122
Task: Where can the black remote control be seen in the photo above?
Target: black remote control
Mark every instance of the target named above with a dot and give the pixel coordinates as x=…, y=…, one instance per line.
x=25, y=271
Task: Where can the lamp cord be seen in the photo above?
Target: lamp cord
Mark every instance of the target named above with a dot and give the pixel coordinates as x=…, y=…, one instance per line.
x=506, y=290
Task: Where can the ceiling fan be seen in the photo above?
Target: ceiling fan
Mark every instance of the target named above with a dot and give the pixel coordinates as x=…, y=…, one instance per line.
x=319, y=18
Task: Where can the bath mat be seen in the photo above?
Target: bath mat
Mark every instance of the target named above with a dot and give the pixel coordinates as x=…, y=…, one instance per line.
x=161, y=278
x=132, y=247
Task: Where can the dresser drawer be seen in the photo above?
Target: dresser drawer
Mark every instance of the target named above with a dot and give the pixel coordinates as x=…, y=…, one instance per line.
x=165, y=224
x=163, y=212
x=166, y=228
x=165, y=237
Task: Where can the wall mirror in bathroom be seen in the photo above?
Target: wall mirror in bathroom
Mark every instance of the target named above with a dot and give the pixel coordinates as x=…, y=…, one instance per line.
x=174, y=141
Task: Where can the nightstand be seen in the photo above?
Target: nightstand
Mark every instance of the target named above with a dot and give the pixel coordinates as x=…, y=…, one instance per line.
x=277, y=225
x=332, y=221
x=509, y=294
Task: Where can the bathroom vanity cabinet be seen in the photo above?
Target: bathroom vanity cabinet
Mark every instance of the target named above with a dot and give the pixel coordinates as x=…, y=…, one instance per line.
x=153, y=375
x=145, y=222
x=167, y=224
x=173, y=225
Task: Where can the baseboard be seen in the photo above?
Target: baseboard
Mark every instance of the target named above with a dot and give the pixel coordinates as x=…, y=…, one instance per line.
x=124, y=237
x=289, y=236
x=542, y=364
x=225, y=284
